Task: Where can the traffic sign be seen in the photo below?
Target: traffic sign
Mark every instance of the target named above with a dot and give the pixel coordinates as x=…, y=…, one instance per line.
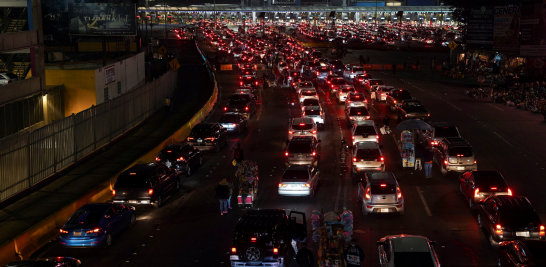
x=174, y=64
x=452, y=45
x=162, y=50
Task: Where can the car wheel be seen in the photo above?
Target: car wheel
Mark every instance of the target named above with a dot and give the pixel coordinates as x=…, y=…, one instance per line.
x=480, y=223
x=493, y=242
x=188, y=171
x=159, y=202
x=108, y=241
x=132, y=221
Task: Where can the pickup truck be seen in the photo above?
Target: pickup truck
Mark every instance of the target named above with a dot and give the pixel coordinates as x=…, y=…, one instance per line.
x=412, y=109
x=440, y=130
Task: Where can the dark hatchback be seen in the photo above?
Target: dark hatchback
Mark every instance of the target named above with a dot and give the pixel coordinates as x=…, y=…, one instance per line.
x=208, y=136
x=146, y=183
x=507, y=218
x=180, y=158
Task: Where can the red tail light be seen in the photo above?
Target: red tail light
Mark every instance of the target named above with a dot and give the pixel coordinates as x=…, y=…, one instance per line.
x=256, y=82
x=314, y=132
x=353, y=138
x=493, y=188
x=241, y=83
x=150, y=192
x=498, y=229
x=234, y=250
x=382, y=159
x=317, y=73
x=354, y=159
x=399, y=193
x=477, y=192
x=290, y=132
x=94, y=231
x=383, y=185
x=225, y=108
x=246, y=108
x=314, y=153
x=253, y=239
x=275, y=250
x=113, y=193
x=368, y=193
x=445, y=162
x=286, y=154
x=157, y=159
x=63, y=231
x=509, y=192
x=541, y=232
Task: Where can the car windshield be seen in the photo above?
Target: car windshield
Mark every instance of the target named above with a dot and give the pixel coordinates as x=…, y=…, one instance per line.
x=338, y=81
x=310, y=102
x=302, y=126
x=312, y=112
x=239, y=99
x=358, y=111
x=308, y=92
x=365, y=129
x=383, y=189
x=295, y=175
x=401, y=94
x=132, y=181
x=369, y=154
x=85, y=217
x=448, y=131
x=376, y=82
x=461, y=151
x=358, y=69
x=229, y=118
x=299, y=147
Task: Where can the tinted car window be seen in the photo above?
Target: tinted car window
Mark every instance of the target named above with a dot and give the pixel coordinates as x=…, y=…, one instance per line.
x=299, y=147
x=358, y=112
x=347, y=89
x=85, y=217
x=358, y=69
x=132, y=181
x=386, y=189
x=458, y=151
x=202, y=131
x=519, y=216
x=360, y=130
x=302, y=126
x=401, y=94
x=376, y=82
x=295, y=174
x=338, y=81
x=312, y=112
x=310, y=102
x=367, y=154
x=446, y=131
x=308, y=92
x=229, y=118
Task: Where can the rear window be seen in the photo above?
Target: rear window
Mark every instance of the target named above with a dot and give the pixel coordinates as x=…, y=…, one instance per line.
x=369, y=130
x=519, y=216
x=308, y=92
x=302, y=126
x=358, y=69
x=447, y=131
x=338, y=81
x=239, y=99
x=401, y=94
x=310, y=102
x=461, y=151
x=347, y=89
x=312, y=112
x=228, y=118
x=360, y=111
x=85, y=217
x=357, y=97
x=295, y=174
x=376, y=82
x=367, y=154
x=132, y=181
x=336, y=63
x=383, y=189
x=299, y=147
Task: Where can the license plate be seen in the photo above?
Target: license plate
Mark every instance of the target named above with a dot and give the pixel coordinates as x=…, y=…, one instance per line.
x=77, y=233
x=525, y=234
x=199, y=140
x=460, y=168
x=368, y=162
x=234, y=257
x=300, y=156
x=133, y=201
x=384, y=210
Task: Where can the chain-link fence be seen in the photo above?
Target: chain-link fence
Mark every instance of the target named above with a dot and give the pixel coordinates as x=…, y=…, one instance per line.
x=27, y=158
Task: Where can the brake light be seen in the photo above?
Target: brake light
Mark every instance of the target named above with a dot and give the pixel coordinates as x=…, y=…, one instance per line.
x=383, y=185
x=305, y=185
x=256, y=82
x=282, y=185
x=353, y=138
x=367, y=117
x=113, y=193
x=241, y=83
x=394, y=101
x=399, y=193
x=474, y=161
x=253, y=239
x=314, y=153
x=275, y=250
x=150, y=192
x=157, y=159
x=493, y=188
x=445, y=162
x=368, y=193
x=96, y=230
x=317, y=73
x=354, y=159
x=541, y=232
x=180, y=159
x=225, y=108
x=286, y=154
x=382, y=158
x=498, y=229
x=63, y=231
x=246, y=108
x=290, y=132
x=314, y=132
x=509, y=192
x=234, y=250
x=477, y=192
x=377, y=137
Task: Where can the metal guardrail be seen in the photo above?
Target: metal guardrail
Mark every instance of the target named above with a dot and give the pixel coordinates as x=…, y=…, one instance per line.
x=27, y=158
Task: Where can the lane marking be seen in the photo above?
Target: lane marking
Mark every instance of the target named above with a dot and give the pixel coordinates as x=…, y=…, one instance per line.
x=495, y=107
x=423, y=200
x=374, y=109
x=454, y=106
x=418, y=88
x=503, y=139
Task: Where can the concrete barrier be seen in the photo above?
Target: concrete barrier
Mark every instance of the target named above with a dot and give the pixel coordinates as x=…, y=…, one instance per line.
x=367, y=66
x=377, y=67
x=226, y=67
x=37, y=236
x=387, y=67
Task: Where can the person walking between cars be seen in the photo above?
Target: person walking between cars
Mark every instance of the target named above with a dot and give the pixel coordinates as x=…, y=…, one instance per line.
x=222, y=194
x=245, y=190
x=167, y=104
x=230, y=186
x=354, y=255
x=429, y=155
x=238, y=154
x=305, y=257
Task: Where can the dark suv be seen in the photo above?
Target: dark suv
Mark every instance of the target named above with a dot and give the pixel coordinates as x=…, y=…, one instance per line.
x=208, y=136
x=303, y=150
x=455, y=154
x=180, y=158
x=263, y=237
x=507, y=218
x=145, y=183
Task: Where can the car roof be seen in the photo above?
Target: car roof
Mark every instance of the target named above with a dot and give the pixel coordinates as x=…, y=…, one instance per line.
x=366, y=145
x=375, y=178
x=409, y=243
x=140, y=168
x=302, y=120
x=513, y=202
